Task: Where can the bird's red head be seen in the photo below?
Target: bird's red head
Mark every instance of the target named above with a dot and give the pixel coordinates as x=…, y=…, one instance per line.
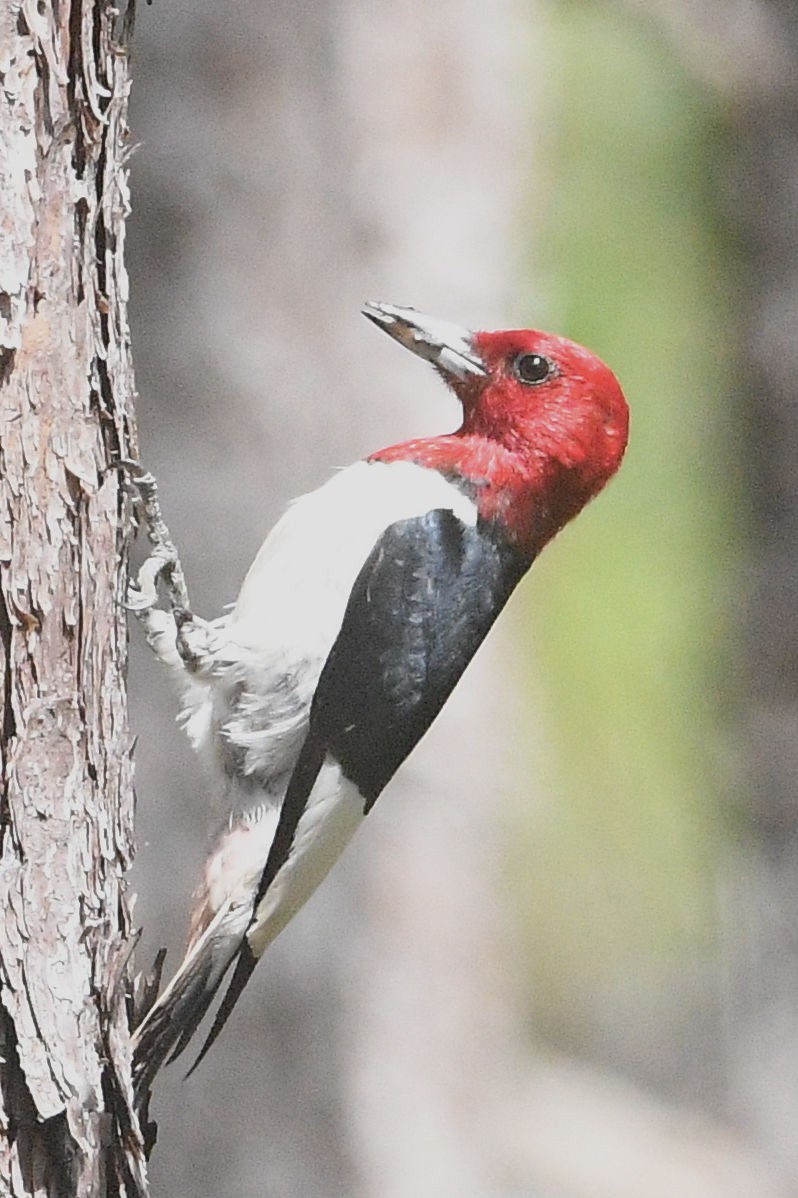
x=549, y=397
x=545, y=422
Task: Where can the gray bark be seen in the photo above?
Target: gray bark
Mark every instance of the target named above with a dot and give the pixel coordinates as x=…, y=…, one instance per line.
x=66, y=385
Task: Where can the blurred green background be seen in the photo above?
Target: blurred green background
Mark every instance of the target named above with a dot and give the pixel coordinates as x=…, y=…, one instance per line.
x=633, y=617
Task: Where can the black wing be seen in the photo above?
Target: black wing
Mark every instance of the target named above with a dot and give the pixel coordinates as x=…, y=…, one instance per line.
x=421, y=606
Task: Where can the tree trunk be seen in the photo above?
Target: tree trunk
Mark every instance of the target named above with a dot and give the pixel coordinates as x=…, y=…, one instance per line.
x=66, y=386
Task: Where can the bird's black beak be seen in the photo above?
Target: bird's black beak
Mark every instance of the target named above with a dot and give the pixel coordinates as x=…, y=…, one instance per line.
x=445, y=345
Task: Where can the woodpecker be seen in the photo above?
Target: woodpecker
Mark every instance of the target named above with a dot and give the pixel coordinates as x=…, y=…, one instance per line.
x=358, y=616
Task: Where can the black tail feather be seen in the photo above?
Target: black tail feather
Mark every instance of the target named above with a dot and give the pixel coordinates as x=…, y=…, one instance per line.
x=167, y=1028
x=243, y=971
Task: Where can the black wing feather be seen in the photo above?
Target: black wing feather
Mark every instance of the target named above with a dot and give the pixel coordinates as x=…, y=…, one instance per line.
x=420, y=608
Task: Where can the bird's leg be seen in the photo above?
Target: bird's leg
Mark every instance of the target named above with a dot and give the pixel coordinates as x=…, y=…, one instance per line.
x=164, y=562
x=176, y=636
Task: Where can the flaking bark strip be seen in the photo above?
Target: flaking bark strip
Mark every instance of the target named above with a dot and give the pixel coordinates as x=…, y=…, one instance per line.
x=66, y=386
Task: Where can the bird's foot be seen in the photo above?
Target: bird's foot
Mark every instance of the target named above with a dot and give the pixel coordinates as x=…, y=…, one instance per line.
x=175, y=629
x=163, y=566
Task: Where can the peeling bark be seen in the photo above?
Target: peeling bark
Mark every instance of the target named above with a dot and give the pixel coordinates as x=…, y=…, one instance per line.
x=66, y=389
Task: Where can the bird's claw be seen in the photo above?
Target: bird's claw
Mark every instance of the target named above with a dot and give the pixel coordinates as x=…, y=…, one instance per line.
x=142, y=594
x=163, y=565
x=137, y=601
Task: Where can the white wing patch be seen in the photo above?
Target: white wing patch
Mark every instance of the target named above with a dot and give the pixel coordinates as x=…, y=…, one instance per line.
x=333, y=813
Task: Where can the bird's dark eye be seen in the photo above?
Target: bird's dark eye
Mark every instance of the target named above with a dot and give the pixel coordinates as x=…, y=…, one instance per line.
x=533, y=368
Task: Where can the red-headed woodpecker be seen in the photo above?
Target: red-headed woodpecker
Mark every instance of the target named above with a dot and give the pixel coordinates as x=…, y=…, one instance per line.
x=357, y=618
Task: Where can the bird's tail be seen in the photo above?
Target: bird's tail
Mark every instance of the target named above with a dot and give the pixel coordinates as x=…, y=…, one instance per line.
x=221, y=915
x=170, y=1023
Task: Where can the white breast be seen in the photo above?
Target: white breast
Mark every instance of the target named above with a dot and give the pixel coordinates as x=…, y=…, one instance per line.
x=296, y=590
